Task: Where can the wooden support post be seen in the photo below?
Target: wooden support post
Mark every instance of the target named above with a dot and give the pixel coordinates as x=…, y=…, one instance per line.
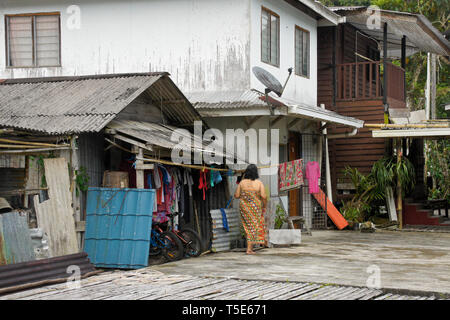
x=139, y=163
x=399, y=187
x=404, y=65
x=385, y=53
x=334, y=66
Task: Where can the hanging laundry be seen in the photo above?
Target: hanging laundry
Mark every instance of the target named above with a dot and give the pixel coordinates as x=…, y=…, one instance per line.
x=290, y=175
x=203, y=183
x=157, y=177
x=215, y=177
x=188, y=180
x=313, y=176
x=224, y=220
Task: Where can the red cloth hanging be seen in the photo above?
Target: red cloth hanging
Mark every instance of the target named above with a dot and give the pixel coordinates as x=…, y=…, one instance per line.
x=202, y=184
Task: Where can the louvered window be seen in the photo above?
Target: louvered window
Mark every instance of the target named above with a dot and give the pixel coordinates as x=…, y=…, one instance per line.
x=302, y=52
x=33, y=40
x=270, y=37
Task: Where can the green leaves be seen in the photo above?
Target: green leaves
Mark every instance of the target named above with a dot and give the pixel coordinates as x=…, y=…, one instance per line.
x=371, y=188
x=82, y=180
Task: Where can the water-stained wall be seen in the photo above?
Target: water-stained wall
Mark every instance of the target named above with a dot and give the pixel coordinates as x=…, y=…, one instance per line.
x=204, y=44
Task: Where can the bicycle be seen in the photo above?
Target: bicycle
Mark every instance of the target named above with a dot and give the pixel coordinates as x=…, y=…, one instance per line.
x=189, y=238
x=165, y=242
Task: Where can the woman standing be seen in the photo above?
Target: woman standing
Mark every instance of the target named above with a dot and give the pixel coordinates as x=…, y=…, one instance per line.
x=253, y=201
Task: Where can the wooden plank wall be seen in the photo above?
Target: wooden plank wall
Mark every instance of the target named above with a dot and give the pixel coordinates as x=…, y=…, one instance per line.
x=362, y=150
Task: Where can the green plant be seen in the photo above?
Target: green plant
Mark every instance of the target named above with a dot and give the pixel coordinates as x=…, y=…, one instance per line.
x=370, y=189
x=82, y=180
x=40, y=164
x=438, y=165
x=388, y=171
x=280, y=216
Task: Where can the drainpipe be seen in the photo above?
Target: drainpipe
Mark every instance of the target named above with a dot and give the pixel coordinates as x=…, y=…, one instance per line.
x=327, y=164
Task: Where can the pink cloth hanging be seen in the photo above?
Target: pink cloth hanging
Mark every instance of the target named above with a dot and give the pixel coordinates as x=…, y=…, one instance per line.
x=313, y=176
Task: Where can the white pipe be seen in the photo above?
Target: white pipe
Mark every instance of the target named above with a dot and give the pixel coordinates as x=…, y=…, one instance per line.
x=328, y=173
x=343, y=135
x=327, y=163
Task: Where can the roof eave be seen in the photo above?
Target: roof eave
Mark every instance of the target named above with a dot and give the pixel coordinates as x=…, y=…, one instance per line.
x=327, y=15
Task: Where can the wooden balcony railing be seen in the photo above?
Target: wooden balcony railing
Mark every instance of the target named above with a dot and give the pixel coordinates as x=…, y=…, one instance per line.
x=363, y=81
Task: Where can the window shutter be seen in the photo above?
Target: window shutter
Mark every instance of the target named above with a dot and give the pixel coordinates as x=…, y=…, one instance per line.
x=274, y=40
x=47, y=40
x=20, y=41
x=265, y=37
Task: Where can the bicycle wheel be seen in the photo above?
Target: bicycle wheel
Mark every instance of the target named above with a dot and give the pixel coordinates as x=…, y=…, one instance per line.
x=172, y=246
x=194, y=246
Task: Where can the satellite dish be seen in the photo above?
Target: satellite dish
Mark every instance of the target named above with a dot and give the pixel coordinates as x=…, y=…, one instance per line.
x=269, y=81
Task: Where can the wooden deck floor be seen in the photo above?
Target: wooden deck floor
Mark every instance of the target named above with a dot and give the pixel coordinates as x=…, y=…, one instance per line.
x=147, y=284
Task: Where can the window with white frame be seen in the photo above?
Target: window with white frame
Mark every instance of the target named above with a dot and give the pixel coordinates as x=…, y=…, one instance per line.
x=302, y=52
x=270, y=37
x=33, y=40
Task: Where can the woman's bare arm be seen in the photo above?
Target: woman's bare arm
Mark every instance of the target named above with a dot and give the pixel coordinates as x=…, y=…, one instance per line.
x=263, y=194
x=237, y=193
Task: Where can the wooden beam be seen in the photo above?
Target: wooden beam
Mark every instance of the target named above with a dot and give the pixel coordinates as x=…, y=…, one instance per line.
x=252, y=122
x=274, y=122
x=133, y=142
x=294, y=122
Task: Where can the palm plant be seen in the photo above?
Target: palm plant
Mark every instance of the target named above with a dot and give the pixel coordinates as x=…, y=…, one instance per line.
x=371, y=188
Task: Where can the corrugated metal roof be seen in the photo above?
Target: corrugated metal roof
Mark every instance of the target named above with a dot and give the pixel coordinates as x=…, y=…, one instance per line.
x=87, y=103
x=316, y=113
x=160, y=135
x=420, y=34
x=227, y=99
x=207, y=102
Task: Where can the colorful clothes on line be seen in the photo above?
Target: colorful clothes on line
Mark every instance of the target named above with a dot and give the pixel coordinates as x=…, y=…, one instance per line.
x=313, y=176
x=290, y=175
x=252, y=217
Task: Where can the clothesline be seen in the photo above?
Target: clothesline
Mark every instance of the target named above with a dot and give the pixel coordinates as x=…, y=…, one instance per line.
x=192, y=166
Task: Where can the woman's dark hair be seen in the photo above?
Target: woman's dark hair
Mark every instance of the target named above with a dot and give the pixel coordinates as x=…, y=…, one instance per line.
x=251, y=172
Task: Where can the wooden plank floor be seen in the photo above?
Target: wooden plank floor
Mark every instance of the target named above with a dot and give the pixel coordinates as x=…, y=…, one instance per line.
x=147, y=284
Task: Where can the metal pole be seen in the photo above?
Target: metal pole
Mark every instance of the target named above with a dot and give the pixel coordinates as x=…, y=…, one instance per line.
x=385, y=53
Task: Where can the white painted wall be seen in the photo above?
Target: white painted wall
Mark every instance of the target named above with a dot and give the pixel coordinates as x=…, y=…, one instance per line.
x=204, y=44
x=300, y=89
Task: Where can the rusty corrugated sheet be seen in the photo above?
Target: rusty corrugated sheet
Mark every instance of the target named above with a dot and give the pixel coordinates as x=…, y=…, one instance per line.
x=14, y=275
x=222, y=239
x=86, y=104
x=15, y=238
